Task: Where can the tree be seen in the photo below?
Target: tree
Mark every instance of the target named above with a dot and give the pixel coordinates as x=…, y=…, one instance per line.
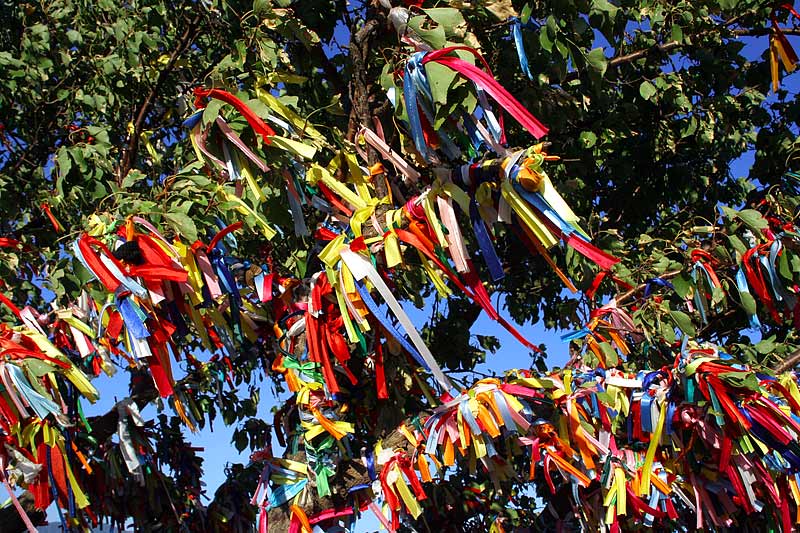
x=197, y=189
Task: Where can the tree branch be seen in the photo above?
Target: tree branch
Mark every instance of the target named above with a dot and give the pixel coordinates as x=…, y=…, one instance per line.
x=788, y=363
x=129, y=153
x=627, y=294
x=666, y=48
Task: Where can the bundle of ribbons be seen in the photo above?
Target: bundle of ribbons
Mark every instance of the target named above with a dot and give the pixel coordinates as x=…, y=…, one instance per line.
x=153, y=290
x=421, y=109
x=780, y=47
x=229, y=154
x=40, y=416
x=762, y=270
x=708, y=437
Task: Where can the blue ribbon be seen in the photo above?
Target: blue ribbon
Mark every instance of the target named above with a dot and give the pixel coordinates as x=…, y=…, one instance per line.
x=698, y=298
x=472, y=133
x=410, y=96
x=657, y=281
x=579, y=334
x=41, y=405
x=284, y=493
x=384, y=321
x=646, y=418
x=228, y=285
x=133, y=317
x=741, y=284
x=516, y=32
x=433, y=435
x=193, y=119
x=485, y=242
x=505, y=412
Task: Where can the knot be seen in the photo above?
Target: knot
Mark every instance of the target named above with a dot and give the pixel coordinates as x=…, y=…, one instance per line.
x=529, y=177
x=414, y=209
x=376, y=170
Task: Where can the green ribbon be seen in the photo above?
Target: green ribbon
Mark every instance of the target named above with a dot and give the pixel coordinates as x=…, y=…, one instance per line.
x=83, y=417
x=308, y=369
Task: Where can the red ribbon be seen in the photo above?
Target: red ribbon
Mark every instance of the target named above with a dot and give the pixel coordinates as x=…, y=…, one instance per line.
x=258, y=125
x=228, y=229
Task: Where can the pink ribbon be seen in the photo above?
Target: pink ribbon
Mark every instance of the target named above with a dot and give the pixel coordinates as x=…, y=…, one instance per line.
x=486, y=82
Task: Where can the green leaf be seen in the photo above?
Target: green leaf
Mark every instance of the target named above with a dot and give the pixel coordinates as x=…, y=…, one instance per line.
x=741, y=380
x=597, y=61
x=183, y=225
x=753, y=220
x=643, y=239
x=748, y=303
x=64, y=161
x=448, y=17
x=133, y=177
x=729, y=213
x=525, y=15
x=74, y=37
x=261, y=7
x=766, y=346
x=737, y=244
x=677, y=33
x=647, y=90
x=717, y=295
x=604, y=9
x=435, y=37
x=609, y=354
x=211, y=112
x=587, y=139
x=684, y=322
x=545, y=40
x=440, y=79
x=783, y=267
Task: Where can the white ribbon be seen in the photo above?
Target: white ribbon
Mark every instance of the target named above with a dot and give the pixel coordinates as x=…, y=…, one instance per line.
x=361, y=268
x=125, y=409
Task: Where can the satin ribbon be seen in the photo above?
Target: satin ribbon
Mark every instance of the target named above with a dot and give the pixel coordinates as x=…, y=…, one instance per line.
x=516, y=33
x=361, y=268
x=484, y=80
x=254, y=120
x=408, y=172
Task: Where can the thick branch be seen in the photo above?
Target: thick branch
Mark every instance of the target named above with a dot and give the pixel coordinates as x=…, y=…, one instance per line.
x=129, y=153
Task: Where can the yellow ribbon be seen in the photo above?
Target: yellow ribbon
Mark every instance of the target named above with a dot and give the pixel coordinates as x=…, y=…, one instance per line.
x=655, y=439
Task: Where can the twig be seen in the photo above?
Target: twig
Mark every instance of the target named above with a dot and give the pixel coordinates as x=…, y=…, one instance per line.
x=668, y=47
x=129, y=153
x=627, y=294
x=787, y=363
